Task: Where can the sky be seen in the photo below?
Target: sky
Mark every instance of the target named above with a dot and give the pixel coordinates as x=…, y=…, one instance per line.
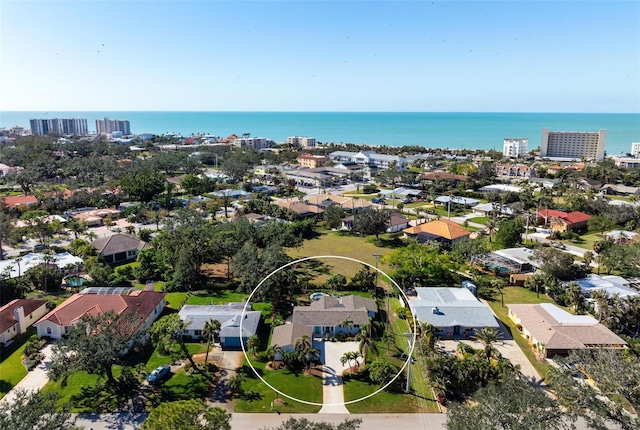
x=305, y=55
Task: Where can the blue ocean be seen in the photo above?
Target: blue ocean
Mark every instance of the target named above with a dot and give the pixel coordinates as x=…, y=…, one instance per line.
x=428, y=129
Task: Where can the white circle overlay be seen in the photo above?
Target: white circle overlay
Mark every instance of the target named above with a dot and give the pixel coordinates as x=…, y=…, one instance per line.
x=317, y=257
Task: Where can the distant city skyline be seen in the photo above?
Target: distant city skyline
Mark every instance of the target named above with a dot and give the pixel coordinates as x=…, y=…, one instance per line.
x=361, y=56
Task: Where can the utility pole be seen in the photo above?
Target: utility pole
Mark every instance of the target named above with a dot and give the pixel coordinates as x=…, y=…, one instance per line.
x=408, y=385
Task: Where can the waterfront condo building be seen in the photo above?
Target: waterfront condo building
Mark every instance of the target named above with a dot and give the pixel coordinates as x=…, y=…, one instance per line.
x=515, y=147
x=108, y=126
x=635, y=149
x=44, y=126
x=573, y=144
x=304, y=142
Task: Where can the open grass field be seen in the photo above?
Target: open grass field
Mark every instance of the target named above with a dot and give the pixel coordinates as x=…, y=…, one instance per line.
x=258, y=397
x=11, y=368
x=344, y=245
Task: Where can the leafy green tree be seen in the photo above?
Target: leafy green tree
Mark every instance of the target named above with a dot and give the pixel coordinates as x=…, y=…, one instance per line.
x=558, y=264
x=167, y=336
x=96, y=344
x=332, y=217
x=511, y=405
x=464, y=250
x=187, y=415
x=6, y=230
x=194, y=184
x=304, y=424
x=613, y=401
x=510, y=233
x=421, y=263
x=30, y=410
x=336, y=282
x=371, y=221
x=381, y=371
x=143, y=185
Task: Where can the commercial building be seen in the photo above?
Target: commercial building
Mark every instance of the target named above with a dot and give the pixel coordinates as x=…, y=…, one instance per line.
x=305, y=142
x=573, y=144
x=515, y=147
x=44, y=126
x=311, y=161
x=108, y=126
x=369, y=158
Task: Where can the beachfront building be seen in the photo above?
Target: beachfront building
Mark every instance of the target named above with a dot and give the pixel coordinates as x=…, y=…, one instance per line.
x=110, y=126
x=635, y=149
x=253, y=142
x=370, y=159
x=573, y=144
x=44, y=126
x=304, y=142
x=515, y=147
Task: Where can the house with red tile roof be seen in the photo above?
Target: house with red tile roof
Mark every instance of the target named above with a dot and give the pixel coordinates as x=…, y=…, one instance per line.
x=147, y=304
x=14, y=201
x=18, y=315
x=563, y=221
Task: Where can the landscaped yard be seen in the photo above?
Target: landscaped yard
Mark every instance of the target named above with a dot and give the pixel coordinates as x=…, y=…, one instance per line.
x=11, y=368
x=421, y=400
x=258, y=397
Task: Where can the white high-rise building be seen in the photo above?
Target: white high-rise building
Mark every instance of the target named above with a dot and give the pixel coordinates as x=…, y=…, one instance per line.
x=635, y=149
x=107, y=126
x=305, y=142
x=44, y=126
x=573, y=144
x=515, y=147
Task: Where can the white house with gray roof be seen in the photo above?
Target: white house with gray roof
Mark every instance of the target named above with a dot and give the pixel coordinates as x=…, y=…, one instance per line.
x=230, y=317
x=369, y=158
x=325, y=315
x=452, y=311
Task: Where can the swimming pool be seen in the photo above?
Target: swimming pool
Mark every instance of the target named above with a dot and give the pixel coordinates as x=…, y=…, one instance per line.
x=317, y=295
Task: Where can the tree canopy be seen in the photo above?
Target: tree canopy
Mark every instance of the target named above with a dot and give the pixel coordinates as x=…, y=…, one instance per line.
x=187, y=415
x=35, y=410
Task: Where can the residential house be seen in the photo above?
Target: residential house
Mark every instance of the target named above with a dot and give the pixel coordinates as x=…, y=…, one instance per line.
x=396, y=222
x=500, y=188
x=452, y=311
x=489, y=209
x=303, y=210
x=514, y=170
x=622, y=236
x=18, y=315
x=563, y=221
x=608, y=284
x=620, y=189
x=553, y=331
x=328, y=315
x=147, y=304
x=347, y=203
x=119, y=247
x=20, y=201
x=17, y=267
x=442, y=176
x=230, y=317
x=508, y=261
x=443, y=230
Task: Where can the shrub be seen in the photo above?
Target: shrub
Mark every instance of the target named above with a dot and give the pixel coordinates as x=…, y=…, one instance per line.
x=370, y=189
x=402, y=313
x=341, y=336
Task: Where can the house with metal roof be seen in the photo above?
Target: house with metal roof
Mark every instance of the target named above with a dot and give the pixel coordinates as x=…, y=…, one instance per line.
x=452, y=311
x=609, y=284
x=325, y=315
x=553, y=331
x=119, y=247
x=230, y=316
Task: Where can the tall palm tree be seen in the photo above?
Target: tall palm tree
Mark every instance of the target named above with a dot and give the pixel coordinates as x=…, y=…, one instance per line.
x=487, y=336
x=388, y=337
x=77, y=226
x=348, y=324
x=210, y=331
x=365, y=343
x=492, y=226
x=253, y=343
x=428, y=335
x=574, y=293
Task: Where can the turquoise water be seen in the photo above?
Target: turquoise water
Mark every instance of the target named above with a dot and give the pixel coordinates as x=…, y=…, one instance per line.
x=428, y=129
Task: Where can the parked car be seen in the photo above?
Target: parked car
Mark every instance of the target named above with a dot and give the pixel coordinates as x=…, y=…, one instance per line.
x=377, y=200
x=559, y=245
x=39, y=247
x=158, y=374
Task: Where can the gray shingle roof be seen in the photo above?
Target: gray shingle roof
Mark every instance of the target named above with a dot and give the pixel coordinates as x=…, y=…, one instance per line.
x=118, y=242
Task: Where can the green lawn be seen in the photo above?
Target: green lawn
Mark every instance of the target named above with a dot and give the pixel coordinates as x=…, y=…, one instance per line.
x=479, y=219
x=340, y=244
x=304, y=387
x=11, y=368
x=393, y=400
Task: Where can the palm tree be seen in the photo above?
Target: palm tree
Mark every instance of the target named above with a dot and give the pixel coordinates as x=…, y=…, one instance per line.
x=253, y=343
x=492, y=226
x=348, y=324
x=487, y=336
x=77, y=226
x=210, y=331
x=365, y=342
x=574, y=293
x=91, y=235
x=428, y=335
x=312, y=354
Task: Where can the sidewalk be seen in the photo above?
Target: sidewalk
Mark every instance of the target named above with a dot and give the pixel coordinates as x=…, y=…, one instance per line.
x=35, y=379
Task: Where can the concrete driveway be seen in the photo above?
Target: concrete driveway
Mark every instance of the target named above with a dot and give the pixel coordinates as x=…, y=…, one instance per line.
x=35, y=379
x=332, y=388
